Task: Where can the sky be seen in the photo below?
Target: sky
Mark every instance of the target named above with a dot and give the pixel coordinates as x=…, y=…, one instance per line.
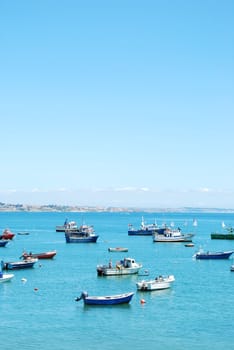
x=117, y=103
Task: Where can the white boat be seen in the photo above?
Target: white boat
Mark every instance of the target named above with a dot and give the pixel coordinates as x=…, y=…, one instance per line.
x=5, y=277
x=127, y=266
x=159, y=283
x=173, y=236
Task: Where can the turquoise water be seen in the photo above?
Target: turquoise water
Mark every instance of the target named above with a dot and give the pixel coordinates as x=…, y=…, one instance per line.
x=196, y=311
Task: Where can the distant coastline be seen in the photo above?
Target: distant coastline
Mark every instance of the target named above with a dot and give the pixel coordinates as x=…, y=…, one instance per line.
x=6, y=207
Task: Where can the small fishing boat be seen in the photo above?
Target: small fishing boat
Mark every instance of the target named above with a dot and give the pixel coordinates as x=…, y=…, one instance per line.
x=3, y=242
x=173, y=236
x=44, y=255
x=5, y=277
x=127, y=266
x=232, y=268
x=7, y=234
x=16, y=265
x=23, y=233
x=159, y=283
x=201, y=254
x=105, y=300
x=118, y=249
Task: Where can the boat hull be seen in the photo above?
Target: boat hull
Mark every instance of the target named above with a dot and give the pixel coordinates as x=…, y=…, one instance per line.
x=45, y=255
x=19, y=265
x=165, y=239
x=159, y=283
x=80, y=239
x=118, y=249
x=118, y=271
x=3, y=242
x=229, y=236
x=108, y=300
x=5, y=277
x=215, y=255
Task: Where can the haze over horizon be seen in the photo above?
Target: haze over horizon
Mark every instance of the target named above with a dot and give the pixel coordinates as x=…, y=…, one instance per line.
x=119, y=103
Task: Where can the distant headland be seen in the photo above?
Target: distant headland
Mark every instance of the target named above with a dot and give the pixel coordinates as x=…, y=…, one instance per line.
x=6, y=207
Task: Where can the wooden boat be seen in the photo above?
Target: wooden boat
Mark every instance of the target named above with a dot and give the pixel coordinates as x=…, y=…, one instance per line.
x=16, y=265
x=44, y=255
x=118, y=249
x=145, y=229
x=212, y=255
x=159, y=283
x=128, y=266
x=5, y=277
x=105, y=300
x=3, y=242
x=67, y=225
x=173, y=236
x=7, y=234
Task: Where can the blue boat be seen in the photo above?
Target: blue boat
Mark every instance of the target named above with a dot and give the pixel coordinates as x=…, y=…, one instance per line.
x=17, y=265
x=84, y=234
x=145, y=229
x=3, y=242
x=212, y=255
x=105, y=300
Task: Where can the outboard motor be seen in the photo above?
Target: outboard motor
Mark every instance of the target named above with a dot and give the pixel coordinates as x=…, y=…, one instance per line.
x=82, y=296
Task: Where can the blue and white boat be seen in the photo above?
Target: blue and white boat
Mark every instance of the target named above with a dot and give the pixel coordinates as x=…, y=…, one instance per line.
x=84, y=234
x=16, y=265
x=212, y=255
x=145, y=229
x=5, y=277
x=3, y=242
x=124, y=298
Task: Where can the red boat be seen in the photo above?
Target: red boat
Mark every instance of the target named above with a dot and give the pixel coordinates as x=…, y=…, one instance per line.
x=7, y=234
x=44, y=255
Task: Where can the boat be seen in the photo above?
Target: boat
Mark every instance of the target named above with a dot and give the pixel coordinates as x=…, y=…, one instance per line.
x=7, y=234
x=118, y=249
x=44, y=255
x=228, y=235
x=66, y=226
x=145, y=229
x=3, y=242
x=84, y=234
x=189, y=245
x=16, y=265
x=159, y=283
x=5, y=277
x=127, y=266
x=201, y=254
x=23, y=233
x=174, y=235
x=124, y=298
x=232, y=268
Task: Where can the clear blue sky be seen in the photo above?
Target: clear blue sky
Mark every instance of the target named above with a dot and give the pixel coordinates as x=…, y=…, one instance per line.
x=117, y=102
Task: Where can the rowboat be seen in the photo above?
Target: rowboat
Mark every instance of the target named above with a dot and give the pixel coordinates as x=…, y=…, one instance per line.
x=118, y=249
x=212, y=255
x=44, y=255
x=158, y=283
x=105, y=300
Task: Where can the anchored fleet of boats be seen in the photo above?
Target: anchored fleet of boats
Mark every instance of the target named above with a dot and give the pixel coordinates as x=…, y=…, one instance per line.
x=125, y=266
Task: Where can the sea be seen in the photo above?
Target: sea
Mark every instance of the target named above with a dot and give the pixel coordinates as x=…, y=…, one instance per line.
x=38, y=307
